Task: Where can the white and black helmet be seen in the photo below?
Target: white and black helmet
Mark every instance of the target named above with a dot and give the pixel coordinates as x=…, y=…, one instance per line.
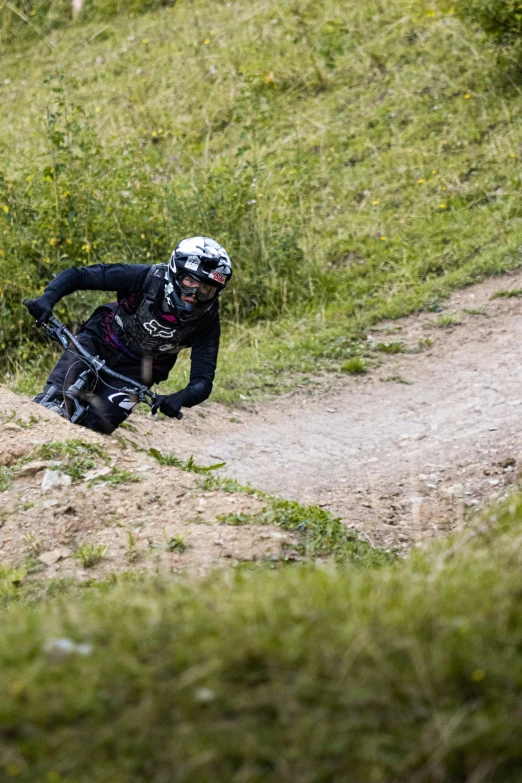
x=203, y=260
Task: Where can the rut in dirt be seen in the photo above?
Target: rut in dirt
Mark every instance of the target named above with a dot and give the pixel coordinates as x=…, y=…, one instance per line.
x=404, y=453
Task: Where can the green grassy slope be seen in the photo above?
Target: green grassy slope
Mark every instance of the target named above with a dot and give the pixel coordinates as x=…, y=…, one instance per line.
x=407, y=673
x=358, y=160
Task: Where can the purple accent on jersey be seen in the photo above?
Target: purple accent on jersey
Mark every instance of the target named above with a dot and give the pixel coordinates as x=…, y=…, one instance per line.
x=170, y=318
x=109, y=336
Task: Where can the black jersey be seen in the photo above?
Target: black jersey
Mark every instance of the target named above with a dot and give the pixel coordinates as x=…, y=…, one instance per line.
x=129, y=283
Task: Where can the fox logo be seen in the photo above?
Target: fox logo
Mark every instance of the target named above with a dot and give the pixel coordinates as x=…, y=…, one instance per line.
x=157, y=330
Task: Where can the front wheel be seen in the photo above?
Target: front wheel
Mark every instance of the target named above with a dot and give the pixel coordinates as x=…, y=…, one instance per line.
x=55, y=407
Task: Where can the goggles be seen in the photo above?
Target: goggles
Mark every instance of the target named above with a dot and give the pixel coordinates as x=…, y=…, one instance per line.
x=189, y=286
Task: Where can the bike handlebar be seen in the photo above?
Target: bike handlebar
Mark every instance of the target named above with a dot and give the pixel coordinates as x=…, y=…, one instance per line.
x=59, y=332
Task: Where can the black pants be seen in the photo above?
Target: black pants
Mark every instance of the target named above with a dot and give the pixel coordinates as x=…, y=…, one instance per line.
x=109, y=404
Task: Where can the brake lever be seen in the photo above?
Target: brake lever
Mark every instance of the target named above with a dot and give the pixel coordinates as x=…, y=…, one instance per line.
x=150, y=403
x=54, y=333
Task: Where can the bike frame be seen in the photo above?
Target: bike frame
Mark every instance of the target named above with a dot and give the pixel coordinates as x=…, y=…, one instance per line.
x=75, y=395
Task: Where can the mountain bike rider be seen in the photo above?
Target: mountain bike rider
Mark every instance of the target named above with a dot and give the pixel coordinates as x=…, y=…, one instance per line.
x=161, y=309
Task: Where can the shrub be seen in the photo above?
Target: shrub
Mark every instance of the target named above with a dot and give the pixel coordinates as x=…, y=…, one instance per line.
x=500, y=18
x=79, y=203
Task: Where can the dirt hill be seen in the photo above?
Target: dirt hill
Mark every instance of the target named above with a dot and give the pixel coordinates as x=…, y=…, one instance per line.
x=403, y=454
x=142, y=514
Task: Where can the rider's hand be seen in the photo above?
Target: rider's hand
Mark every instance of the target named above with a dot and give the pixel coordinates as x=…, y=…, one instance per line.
x=169, y=404
x=41, y=309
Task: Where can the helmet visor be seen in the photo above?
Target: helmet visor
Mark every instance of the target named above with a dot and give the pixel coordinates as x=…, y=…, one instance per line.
x=191, y=287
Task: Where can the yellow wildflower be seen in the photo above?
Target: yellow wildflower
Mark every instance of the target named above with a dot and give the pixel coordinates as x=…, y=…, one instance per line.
x=420, y=181
x=467, y=95
x=383, y=239
x=144, y=40
x=511, y=154
x=434, y=171
x=376, y=201
x=5, y=208
x=53, y=241
x=206, y=41
x=443, y=206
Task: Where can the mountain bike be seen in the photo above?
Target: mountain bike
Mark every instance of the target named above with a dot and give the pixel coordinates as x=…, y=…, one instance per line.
x=74, y=402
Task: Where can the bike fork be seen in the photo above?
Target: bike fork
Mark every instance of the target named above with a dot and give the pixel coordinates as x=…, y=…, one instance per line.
x=73, y=397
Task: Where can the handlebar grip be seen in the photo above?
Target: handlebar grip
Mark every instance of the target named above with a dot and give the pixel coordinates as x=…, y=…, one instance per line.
x=179, y=415
x=25, y=301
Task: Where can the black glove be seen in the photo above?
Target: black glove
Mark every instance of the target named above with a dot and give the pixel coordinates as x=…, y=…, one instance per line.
x=41, y=309
x=170, y=405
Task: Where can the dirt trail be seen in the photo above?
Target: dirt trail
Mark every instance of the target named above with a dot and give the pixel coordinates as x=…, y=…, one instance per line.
x=401, y=454
x=402, y=461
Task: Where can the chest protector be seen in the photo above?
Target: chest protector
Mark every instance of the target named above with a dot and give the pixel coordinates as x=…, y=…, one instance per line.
x=145, y=332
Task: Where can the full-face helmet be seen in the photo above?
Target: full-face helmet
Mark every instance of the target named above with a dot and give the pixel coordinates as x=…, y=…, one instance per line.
x=199, y=267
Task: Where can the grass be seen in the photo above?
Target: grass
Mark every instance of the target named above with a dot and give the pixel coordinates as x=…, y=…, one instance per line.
x=188, y=465
x=119, y=476
x=10, y=581
x=448, y=320
x=354, y=366
x=405, y=673
x=349, y=135
x=176, y=544
x=321, y=534
x=396, y=378
x=75, y=457
x=514, y=293
x=6, y=476
x=391, y=348
x=13, y=418
x=89, y=555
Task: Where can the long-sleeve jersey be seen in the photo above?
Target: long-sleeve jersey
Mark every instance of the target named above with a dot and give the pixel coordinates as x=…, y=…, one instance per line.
x=128, y=280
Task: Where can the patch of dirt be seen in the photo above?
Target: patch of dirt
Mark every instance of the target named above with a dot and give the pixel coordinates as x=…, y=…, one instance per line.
x=404, y=453
x=136, y=522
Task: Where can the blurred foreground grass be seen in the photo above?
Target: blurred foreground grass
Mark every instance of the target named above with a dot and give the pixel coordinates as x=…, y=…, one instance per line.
x=410, y=672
